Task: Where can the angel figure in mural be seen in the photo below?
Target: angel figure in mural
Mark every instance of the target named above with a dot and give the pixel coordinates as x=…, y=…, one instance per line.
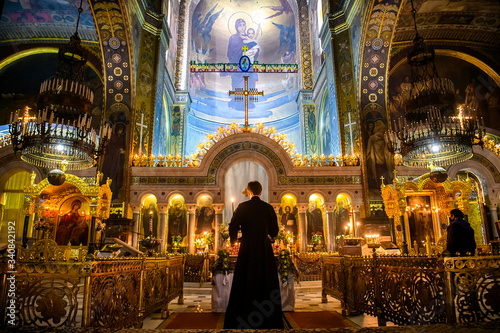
x=200, y=33
x=283, y=9
x=287, y=42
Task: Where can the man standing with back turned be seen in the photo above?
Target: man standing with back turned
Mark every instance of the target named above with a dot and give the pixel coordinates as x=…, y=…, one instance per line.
x=254, y=302
x=460, y=235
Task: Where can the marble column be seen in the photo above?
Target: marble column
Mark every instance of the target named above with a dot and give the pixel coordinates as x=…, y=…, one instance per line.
x=494, y=219
x=163, y=227
x=218, y=209
x=302, y=224
x=329, y=237
x=135, y=230
x=190, y=227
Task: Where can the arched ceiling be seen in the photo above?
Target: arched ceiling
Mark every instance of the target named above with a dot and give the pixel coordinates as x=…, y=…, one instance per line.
x=470, y=23
x=45, y=19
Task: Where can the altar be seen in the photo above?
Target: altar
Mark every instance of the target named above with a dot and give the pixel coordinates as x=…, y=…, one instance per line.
x=222, y=282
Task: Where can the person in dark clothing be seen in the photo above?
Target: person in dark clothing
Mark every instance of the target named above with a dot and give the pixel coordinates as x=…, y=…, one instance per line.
x=254, y=301
x=460, y=238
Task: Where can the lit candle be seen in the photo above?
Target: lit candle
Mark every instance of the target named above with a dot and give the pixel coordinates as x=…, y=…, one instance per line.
x=232, y=203
x=346, y=227
x=357, y=229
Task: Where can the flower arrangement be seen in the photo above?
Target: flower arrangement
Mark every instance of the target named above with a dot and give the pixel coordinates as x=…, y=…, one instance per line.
x=208, y=238
x=176, y=240
x=281, y=234
x=316, y=237
x=224, y=257
x=284, y=265
x=41, y=224
x=224, y=232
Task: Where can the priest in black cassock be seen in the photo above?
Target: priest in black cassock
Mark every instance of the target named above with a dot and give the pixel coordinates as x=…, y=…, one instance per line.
x=255, y=301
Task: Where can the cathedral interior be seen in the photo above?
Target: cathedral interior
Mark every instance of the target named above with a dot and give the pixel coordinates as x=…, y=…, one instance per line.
x=132, y=127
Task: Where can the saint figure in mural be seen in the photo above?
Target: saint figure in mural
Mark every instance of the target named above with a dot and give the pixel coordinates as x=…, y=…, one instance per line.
x=380, y=161
x=341, y=218
x=150, y=219
x=234, y=53
x=205, y=222
x=253, y=47
x=314, y=219
x=177, y=222
x=114, y=159
x=68, y=223
x=289, y=221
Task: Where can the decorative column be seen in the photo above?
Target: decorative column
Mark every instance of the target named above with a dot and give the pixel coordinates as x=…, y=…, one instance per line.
x=309, y=119
x=373, y=74
x=135, y=230
x=302, y=224
x=494, y=220
x=163, y=227
x=329, y=236
x=218, y=209
x=190, y=227
x=147, y=67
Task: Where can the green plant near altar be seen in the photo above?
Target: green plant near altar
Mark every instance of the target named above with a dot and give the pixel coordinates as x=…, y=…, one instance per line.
x=224, y=258
x=285, y=265
x=208, y=238
x=224, y=232
x=176, y=240
x=281, y=236
x=316, y=237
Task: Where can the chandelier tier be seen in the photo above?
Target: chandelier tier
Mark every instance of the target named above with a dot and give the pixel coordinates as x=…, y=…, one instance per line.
x=434, y=130
x=61, y=135
x=56, y=143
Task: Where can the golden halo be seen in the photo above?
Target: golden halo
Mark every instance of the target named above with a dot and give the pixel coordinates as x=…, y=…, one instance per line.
x=243, y=15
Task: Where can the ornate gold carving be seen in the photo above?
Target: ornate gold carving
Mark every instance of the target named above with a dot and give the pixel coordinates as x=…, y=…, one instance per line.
x=445, y=193
x=194, y=160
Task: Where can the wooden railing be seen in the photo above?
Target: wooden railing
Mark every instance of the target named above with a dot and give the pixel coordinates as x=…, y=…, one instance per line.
x=308, y=265
x=415, y=290
x=111, y=293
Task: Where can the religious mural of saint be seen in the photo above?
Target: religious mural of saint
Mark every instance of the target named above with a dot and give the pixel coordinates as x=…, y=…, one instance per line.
x=205, y=221
x=289, y=220
x=73, y=227
x=149, y=217
x=177, y=220
x=114, y=157
x=314, y=220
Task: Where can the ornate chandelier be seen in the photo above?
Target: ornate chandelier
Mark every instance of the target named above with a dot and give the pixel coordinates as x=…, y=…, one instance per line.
x=433, y=131
x=61, y=136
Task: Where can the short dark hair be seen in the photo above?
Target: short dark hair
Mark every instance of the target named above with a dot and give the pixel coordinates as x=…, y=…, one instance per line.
x=457, y=213
x=255, y=187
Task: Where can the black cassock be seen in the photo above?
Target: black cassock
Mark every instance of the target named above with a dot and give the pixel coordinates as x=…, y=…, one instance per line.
x=255, y=301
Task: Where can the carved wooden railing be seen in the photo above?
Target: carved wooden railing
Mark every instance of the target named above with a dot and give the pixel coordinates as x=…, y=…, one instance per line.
x=111, y=293
x=197, y=267
x=415, y=290
x=308, y=265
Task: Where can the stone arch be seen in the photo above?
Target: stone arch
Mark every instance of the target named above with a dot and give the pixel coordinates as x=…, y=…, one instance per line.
x=259, y=148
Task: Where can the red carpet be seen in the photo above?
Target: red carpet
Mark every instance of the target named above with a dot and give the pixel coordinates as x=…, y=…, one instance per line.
x=322, y=319
x=194, y=320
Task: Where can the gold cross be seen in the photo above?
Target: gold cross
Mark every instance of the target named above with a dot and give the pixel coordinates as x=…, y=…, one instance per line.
x=245, y=92
x=245, y=49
